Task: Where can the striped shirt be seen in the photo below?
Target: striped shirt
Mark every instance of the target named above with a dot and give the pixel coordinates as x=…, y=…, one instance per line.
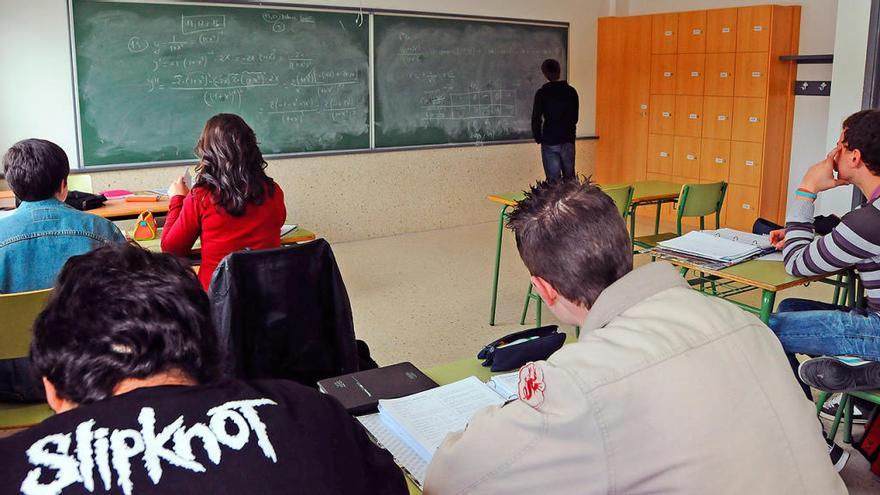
x=855, y=242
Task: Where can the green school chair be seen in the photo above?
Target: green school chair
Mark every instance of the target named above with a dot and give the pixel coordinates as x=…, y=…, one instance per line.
x=622, y=197
x=695, y=200
x=20, y=310
x=80, y=182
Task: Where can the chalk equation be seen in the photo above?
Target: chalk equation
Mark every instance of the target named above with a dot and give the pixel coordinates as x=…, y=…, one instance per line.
x=493, y=104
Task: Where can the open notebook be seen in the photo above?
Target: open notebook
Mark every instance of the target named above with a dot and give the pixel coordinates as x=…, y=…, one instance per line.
x=412, y=428
x=722, y=247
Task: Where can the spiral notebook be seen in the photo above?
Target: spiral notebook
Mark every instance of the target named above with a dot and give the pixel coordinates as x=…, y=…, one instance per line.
x=723, y=247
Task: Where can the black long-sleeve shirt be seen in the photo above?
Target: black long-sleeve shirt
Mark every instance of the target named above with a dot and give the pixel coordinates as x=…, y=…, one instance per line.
x=555, y=113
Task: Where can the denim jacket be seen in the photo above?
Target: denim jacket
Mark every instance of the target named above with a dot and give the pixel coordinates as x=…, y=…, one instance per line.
x=38, y=238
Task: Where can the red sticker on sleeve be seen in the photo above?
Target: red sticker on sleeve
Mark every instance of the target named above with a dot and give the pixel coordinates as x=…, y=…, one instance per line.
x=531, y=385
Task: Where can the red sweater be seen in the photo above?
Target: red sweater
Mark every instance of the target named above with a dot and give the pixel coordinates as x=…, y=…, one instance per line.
x=195, y=215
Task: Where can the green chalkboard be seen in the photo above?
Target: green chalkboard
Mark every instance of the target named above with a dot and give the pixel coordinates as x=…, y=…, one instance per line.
x=148, y=76
x=456, y=81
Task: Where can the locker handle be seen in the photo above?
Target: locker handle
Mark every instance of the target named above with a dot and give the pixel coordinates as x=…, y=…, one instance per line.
x=724, y=74
x=750, y=163
x=722, y=117
x=697, y=32
x=691, y=157
x=664, y=154
x=693, y=116
x=643, y=107
x=719, y=160
x=695, y=74
x=754, y=120
x=757, y=28
x=746, y=206
x=667, y=74
x=667, y=33
x=665, y=115
x=725, y=29
x=756, y=74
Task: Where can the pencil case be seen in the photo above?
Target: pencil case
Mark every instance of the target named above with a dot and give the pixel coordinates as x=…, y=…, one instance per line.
x=514, y=350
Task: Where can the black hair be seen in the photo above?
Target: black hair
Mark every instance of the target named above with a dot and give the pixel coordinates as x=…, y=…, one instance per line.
x=231, y=164
x=570, y=233
x=551, y=69
x=123, y=312
x=861, y=131
x=35, y=169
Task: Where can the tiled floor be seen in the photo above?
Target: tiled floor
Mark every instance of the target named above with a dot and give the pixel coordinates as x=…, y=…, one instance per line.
x=425, y=298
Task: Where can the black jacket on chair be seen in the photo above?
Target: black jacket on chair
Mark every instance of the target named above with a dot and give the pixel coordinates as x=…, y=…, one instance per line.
x=284, y=313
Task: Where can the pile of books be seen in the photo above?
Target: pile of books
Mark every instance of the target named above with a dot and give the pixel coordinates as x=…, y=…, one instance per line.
x=715, y=249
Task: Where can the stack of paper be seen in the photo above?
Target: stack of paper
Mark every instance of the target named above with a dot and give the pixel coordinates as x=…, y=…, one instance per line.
x=726, y=246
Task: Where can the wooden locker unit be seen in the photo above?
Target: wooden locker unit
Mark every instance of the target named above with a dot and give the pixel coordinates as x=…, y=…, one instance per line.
x=719, y=102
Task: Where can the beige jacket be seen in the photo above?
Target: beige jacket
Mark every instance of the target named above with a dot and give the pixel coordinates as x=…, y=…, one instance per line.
x=667, y=391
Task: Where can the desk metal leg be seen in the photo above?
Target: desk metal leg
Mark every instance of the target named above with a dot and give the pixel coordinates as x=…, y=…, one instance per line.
x=501, y=218
x=632, y=224
x=657, y=218
x=767, y=300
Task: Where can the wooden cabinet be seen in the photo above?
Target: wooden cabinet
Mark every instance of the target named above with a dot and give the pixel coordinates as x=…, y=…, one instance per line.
x=700, y=96
x=660, y=152
x=721, y=30
x=717, y=117
x=692, y=32
x=688, y=116
x=662, y=111
x=686, y=159
x=715, y=160
x=664, y=33
x=663, y=75
x=690, y=71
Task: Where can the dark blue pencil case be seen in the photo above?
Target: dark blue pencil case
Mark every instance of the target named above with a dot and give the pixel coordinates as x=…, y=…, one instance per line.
x=535, y=344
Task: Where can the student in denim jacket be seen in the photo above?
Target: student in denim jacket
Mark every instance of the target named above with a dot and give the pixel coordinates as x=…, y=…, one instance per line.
x=38, y=238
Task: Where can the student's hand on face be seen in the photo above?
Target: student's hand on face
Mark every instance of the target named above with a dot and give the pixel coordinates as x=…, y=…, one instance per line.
x=178, y=188
x=820, y=177
x=777, y=238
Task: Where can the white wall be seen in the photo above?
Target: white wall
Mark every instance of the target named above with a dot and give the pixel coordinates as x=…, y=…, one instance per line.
x=850, y=48
x=342, y=197
x=816, y=38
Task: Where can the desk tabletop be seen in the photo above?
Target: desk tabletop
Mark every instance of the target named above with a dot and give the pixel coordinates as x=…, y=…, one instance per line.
x=645, y=190
x=298, y=234
x=113, y=209
x=767, y=275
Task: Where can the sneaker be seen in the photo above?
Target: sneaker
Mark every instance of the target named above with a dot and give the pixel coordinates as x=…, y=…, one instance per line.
x=829, y=411
x=838, y=455
x=840, y=373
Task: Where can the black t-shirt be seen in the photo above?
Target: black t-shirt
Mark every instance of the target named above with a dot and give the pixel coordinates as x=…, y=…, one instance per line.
x=261, y=437
x=555, y=113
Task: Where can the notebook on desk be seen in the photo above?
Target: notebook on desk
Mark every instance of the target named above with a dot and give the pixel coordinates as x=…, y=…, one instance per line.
x=715, y=248
x=360, y=392
x=412, y=428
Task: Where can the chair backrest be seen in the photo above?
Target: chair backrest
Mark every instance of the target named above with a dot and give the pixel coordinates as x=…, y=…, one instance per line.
x=19, y=311
x=699, y=200
x=80, y=182
x=284, y=313
x=622, y=197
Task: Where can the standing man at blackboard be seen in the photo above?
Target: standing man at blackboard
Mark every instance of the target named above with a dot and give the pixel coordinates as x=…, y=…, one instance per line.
x=554, y=117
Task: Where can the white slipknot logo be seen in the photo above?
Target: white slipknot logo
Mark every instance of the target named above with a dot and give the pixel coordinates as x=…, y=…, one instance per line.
x=111, y=451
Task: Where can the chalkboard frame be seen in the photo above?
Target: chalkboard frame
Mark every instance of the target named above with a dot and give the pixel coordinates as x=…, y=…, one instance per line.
x=80, y=167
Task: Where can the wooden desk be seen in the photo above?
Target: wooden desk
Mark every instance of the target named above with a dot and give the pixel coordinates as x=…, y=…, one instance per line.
x=113, y=209
x=644, y=193
x=298, y=234
x=768, y=276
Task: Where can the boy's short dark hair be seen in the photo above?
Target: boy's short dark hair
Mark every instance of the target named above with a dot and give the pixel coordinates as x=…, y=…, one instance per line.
x=551, y=69
x=123, y=312
x=570, y=234
x=35, y=169
x=861, y=131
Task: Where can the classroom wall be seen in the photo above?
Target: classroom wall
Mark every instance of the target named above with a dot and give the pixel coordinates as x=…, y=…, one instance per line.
x=816, y=37
x=853, y=19
x=342, y=197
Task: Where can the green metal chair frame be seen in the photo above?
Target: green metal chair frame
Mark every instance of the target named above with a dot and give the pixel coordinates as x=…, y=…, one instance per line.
x=695, y=200
x=19, y=311
x=622, y=197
